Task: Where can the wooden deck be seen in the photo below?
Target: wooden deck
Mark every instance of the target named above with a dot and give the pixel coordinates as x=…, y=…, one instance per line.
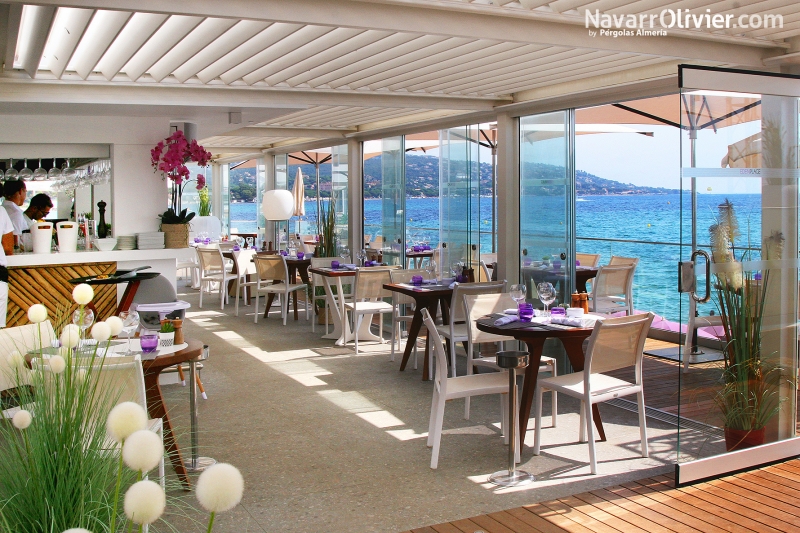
x=763, y=500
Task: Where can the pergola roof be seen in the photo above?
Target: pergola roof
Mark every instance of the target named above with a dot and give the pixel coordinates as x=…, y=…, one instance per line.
x=313, y=70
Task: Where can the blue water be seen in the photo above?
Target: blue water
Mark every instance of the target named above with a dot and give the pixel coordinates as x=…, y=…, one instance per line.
x=655, y=219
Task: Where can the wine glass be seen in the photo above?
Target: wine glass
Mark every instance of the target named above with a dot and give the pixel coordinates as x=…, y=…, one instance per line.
x=547, y=294
x=518, y=293
x=83, y=317
x=26, y=173
x=130, y=322
x=55, y=172
x=250, y=241
x=432, y=270
x=40, y=173
x=344, y=253
x=361, y=255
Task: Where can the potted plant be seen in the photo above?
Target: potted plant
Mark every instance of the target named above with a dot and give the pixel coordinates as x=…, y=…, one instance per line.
x=166, y=335
x=170, y=157
x=750, y=394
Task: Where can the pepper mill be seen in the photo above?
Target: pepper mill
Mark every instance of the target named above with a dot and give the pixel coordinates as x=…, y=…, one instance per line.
x=585, y=302
x=576, y=300
x=102, y=232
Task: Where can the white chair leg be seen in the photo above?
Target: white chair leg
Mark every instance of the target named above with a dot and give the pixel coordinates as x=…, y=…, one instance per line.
x=285, y=310
x=469, y=370
x=380, y=327
x=395, y=334
x=554, y=399
x=582, y=432
x=255, y=319
x=313, y=317
x=643, y=424
x=356, y=326
x=590, y=436
x=308, y=314
x=437, y=436
x=202, y=284
x=453, y=361
x=432, y=421
x=236, y=303
x=538, y=412
x=222, y=290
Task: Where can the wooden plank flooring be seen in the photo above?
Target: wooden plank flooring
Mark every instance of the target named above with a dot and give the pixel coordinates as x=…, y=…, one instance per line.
x=762, y=500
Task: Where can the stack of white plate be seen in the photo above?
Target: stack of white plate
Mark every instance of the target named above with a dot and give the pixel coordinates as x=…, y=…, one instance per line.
x=153, y=240
x=126, y=242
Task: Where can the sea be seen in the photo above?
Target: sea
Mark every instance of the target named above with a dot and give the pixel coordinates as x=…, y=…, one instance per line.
x=660, y=225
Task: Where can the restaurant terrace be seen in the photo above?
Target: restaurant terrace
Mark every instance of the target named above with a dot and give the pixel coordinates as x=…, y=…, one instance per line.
x=406, y=265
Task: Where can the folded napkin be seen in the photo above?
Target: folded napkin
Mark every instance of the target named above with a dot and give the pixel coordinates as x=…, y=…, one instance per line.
x=452, y=285
x=447, y=281
x=429, y=282
x=348, y=267
x=506, y=320
x=510, y=311
x=585, y=321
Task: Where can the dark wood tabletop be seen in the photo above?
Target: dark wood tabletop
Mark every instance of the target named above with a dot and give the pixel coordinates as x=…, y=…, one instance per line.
x=429, y=297
x=332, y=272
x=582, y=275
x=534, y=336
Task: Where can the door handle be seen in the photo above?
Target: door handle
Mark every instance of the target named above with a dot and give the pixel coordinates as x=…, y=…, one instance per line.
x=694, y=295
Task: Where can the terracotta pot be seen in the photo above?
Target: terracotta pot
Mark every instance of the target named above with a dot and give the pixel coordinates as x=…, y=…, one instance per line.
x=739, y=439
x=176, y=235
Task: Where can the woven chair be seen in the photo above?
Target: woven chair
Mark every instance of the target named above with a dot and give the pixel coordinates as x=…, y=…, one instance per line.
x=273, y=278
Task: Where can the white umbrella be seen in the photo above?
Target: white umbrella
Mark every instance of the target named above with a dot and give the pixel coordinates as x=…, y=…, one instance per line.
x=299, y=195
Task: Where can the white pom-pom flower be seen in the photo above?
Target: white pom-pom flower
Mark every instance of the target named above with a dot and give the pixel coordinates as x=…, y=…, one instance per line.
x=37, y=313
x=142, y=451
x=220, y=488
x=145, y=502
x=15, y=360
x=115, y=323
x=57, y=364
x=101, y=331
x=82, y=294
x=77, y=530
x=22, y=419
x=70, y=336
x=125, y=419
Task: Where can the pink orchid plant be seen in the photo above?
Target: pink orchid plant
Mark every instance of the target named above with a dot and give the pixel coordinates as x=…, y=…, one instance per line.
x=170, y=157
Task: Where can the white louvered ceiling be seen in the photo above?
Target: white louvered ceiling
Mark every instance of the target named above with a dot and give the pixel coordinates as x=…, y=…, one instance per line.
x=131, y=48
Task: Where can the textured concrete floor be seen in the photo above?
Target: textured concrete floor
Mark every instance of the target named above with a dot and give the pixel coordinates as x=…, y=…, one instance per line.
x=330, y=441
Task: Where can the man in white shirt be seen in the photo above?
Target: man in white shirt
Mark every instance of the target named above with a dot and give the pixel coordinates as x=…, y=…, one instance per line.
x=7, y=232
x=14, y=192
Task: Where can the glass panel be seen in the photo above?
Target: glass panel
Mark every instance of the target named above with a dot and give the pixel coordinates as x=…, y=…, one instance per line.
x=339, y=189
x=393, y=196
x=261, y=183
x=225, y=192
x=459, y=211
x=546, y=190
x=281, y=182
x=738, y=156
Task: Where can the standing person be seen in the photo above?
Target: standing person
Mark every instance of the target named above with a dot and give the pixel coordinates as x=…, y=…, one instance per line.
x=14, y=192
x=38, y=209
x=7, y=232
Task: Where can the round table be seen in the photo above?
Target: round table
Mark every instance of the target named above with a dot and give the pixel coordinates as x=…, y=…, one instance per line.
x=155, y=399
x=534, y=336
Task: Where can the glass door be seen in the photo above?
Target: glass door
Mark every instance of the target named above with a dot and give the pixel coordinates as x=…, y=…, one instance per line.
x=393, y=200
x=546, y=204
x=739, y=161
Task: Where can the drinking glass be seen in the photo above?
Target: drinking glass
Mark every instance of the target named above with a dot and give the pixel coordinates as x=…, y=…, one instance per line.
x=432, y=270
x=130, y=321
x=518, y=292
x=250, y=241
x=83, y=317
x=55, y=172
x=40, y=173
x=361, y=256
x=26, y=173
x=344, y=253
x=547, y=294
x=149, y=341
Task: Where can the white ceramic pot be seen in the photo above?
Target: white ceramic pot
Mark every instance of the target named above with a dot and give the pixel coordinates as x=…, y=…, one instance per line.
x=166, y=339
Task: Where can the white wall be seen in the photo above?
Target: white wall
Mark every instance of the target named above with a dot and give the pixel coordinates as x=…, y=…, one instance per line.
x=139, y=195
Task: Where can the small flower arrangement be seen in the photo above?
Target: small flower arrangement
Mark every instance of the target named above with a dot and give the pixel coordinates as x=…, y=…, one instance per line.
x=170, y=157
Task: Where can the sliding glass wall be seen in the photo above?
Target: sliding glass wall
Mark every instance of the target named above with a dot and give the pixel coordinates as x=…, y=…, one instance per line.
x=340, y=191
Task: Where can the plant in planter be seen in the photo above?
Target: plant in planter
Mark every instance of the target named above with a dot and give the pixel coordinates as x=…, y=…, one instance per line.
x=750, y=395
x=166, y=335
x=205, y=197
x=170, y=157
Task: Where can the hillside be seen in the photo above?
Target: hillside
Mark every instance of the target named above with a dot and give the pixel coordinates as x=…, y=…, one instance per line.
x=422, y=179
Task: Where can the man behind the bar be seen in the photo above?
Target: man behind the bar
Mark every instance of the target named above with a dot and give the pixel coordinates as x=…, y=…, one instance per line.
x=14, y=192
x=39, y=208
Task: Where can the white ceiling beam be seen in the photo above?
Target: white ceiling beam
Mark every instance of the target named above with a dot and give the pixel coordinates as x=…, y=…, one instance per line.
x=287, y=59
x=135, y=33
x=203, y=35
x=505, y=25
x=13, y=90
x=34, y=29
x=68, y=28
x=350, y=62
x=168, y=35
x=246, y=50
x=241, y=32
x=102, y=30
x=260, y=131
x=10, y=17
x=285, y=45
x=221, y=149
x=361, y=41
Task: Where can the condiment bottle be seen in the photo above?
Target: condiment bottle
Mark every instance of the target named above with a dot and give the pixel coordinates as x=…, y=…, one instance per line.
x=584, y=302
x=576, y=299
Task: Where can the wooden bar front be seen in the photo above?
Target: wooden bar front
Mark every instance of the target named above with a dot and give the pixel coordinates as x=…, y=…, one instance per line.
x=49, y=285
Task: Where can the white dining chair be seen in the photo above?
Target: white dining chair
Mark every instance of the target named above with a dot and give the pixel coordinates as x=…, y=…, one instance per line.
x=614, y=343
x=246, y=277
x=403, y=305
x=273, y=278
x=449, y=388
x=368, y=298
x=213, y=270
x=612, y=289
x=21, y=339
x=480, y=305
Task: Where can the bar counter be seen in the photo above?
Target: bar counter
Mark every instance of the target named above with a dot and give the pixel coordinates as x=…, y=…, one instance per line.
x=44, y=278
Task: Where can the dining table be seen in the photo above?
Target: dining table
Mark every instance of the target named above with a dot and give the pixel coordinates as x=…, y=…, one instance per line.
x=534, y=336
x=415, y=258
x=542, y=273
x=336, y=278
x=427, y=296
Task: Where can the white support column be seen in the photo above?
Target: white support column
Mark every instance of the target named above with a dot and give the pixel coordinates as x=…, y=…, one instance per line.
x=355, y=191
x=269, y=184
x=508, y=220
